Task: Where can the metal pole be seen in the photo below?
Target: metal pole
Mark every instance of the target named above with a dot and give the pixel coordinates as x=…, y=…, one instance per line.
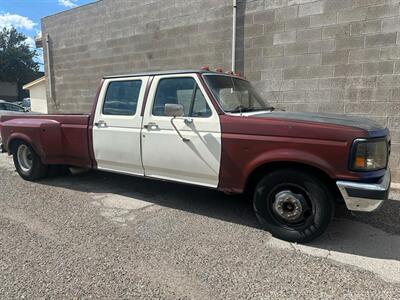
x=49, y=76
x=234, y=35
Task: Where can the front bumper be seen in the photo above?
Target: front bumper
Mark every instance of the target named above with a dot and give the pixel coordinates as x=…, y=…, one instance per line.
x=365, y=196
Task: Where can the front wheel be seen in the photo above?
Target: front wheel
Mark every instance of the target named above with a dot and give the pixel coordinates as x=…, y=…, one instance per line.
x=27, y=162
x=293, y=205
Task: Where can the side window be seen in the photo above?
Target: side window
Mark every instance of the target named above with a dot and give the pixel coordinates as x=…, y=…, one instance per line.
x=184, y=91
x=2, y=106
x=122, y=98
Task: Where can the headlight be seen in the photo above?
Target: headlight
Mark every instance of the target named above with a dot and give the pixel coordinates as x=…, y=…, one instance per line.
x=369, y=155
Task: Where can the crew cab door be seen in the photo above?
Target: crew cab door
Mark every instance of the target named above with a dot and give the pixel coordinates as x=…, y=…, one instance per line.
x=194, y=159
x=117, y=125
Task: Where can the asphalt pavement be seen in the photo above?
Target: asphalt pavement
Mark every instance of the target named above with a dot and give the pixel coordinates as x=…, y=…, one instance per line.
x=99, y=235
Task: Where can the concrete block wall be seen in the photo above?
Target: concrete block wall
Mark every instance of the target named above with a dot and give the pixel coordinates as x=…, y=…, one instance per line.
x=125, y=36
x=336, y=56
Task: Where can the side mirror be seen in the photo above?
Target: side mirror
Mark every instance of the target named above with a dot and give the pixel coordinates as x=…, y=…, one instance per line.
x=174, y=110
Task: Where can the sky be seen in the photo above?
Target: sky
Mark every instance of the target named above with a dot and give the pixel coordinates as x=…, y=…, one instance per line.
x=25, y=16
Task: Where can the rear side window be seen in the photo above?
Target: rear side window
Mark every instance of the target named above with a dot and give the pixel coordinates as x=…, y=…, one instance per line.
x=184, y=91
x=122, y=98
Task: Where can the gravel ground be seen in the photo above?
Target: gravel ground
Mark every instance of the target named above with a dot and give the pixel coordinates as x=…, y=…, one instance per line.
x=111, y=236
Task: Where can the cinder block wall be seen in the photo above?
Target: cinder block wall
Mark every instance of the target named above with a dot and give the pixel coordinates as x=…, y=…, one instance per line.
x=337, y=56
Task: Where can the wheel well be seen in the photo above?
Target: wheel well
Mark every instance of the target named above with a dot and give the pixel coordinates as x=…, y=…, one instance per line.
x=13, y=143
x=258, y=173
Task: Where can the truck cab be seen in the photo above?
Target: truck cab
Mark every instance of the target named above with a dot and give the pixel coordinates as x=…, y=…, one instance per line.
x=133, y=134
x=214, y=130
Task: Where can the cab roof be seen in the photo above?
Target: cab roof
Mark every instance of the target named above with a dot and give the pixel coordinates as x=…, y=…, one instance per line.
x=171, y=72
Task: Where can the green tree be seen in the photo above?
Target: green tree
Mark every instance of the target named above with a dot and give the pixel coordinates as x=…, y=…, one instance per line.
x=16, y=58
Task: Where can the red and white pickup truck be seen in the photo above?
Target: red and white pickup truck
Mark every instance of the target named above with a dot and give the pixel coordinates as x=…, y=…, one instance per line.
x=212, y=129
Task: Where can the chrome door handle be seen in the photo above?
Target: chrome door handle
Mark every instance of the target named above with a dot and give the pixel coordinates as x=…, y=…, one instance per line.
x=188, y=121
x=101, y=124
x=151, y=126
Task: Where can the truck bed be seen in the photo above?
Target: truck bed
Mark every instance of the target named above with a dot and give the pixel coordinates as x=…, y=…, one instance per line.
x=64, y=139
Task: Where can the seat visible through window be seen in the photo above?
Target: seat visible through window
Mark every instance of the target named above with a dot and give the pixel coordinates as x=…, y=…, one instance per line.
x=122, y=98
x=183, y=91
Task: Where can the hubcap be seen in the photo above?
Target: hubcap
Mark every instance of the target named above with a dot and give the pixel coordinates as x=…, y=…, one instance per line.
x=25, y=159
x=289, y=206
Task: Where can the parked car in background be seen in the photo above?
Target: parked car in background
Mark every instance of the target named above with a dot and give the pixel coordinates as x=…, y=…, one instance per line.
x=10, y=108
x=213, y=129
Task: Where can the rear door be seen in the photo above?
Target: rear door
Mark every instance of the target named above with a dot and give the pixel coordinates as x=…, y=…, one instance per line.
x=166, y=155
x=117, y=125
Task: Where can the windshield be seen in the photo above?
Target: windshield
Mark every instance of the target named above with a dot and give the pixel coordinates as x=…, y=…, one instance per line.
x=235, y=95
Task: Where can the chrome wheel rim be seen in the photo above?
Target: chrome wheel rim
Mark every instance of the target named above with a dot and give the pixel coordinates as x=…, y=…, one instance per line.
x=291, y=205
x=288, y=206
x=25, y=158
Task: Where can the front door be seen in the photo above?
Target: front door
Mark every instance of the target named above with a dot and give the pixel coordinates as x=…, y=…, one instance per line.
x=117, y=125
x=196, y=157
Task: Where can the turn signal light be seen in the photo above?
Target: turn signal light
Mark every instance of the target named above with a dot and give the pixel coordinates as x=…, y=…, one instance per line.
x=359, y=162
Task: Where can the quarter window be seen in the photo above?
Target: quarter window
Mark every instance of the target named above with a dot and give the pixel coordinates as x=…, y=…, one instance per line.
x=184, y=91
x=122, y=98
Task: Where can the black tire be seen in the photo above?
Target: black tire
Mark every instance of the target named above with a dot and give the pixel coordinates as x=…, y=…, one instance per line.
x=293, y=205
x=37, y=170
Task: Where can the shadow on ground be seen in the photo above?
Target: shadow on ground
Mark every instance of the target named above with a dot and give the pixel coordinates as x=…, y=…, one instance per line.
x=373, y=235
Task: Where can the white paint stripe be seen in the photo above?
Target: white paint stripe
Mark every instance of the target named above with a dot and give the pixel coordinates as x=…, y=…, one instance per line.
x=355, y=244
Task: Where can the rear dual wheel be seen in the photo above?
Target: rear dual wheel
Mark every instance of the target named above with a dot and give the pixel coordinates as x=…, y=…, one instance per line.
x=293, y=205
x=27, y=163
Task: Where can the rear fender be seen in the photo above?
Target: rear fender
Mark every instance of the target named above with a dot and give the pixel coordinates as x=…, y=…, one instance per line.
x=22, y=137
x=43, y=135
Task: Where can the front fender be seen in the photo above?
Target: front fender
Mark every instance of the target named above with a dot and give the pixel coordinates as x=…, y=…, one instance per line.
x=290, y=155
x=242, y=154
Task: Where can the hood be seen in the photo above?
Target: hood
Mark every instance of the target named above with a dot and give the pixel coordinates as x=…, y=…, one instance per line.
x=343, y=120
